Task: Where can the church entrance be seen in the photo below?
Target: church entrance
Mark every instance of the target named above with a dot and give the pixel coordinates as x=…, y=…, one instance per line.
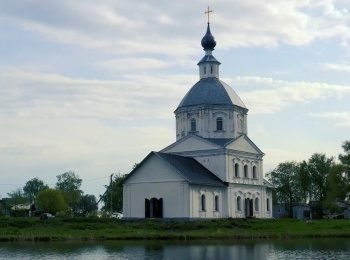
x=248, y=207
x=154, y=208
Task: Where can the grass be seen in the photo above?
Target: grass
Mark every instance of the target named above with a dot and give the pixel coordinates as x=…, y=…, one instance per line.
x=34, y=229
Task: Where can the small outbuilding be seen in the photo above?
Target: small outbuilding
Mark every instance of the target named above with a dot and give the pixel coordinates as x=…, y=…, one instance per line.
x=304, y=211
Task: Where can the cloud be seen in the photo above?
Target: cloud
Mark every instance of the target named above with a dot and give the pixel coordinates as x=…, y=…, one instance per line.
x=343, y=118
x=133, y=27
x=36, y=94
x=336, y=67
x=274, y=95
x=141, y=64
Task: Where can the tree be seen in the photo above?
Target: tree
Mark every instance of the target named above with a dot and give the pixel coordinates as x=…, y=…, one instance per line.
x=117, y=194
x=51, y=201
x=19, y=202
x=318, y=167
x=336, y=187
x=69, y=183
x=305, y=182
x=32, y=187
x=285, y=180
x=88, y=204
x=345, y=161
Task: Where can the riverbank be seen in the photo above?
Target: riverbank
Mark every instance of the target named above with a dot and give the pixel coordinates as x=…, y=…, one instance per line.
x=34, y=229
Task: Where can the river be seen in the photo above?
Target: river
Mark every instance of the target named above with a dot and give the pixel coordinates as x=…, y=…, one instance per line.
x=335, y=248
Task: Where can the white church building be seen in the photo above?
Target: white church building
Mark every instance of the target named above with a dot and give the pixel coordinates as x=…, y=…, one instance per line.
x=213, y=170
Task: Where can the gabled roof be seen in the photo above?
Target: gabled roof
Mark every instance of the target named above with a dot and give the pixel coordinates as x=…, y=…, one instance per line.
x=268, y=184
x=247, y=139
x=190, y=169
x=218, y=143
x=222, y=142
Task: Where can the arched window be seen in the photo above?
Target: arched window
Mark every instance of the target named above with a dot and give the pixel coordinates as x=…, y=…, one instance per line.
x=205, y=70
x=211, y=69
x=216, y=203
x=203, y=202
x=193, y=125
x=245, y=171
x=268, y=204
x=236, y=170
x=219, y=125
x=254, y=172
x=239, y=208
x=256, y=204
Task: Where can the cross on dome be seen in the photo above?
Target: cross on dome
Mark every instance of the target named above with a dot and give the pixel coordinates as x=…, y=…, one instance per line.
x=208, y=12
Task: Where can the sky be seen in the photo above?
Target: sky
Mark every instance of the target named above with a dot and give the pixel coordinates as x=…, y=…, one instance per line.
x=91, y=86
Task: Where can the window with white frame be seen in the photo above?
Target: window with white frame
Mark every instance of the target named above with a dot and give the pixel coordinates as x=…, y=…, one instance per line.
x=216, y=203
x=245, y=171
x=254, y=172
x=203, y=204
x=239, y=206
x=193, y=125
x=256, y=204
x=236, y=170
x=219, y=124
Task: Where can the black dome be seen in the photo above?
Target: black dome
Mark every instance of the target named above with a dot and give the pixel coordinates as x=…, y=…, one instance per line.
x=208, y=41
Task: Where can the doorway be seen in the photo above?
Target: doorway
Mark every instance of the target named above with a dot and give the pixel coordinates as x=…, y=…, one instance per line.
x=154, y=208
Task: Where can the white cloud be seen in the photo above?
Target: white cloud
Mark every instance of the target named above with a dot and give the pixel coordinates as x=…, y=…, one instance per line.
x=133, y=64
x=277, y=94
x=137, y=27
x=336, y=67
x=343, y=118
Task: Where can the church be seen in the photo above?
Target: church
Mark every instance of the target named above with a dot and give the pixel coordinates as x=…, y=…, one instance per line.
x=213, y=169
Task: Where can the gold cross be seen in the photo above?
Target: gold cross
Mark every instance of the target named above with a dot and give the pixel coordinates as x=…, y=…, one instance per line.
x=208, y=12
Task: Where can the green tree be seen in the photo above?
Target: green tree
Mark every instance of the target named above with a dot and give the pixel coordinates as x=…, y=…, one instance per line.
x=305, y=182
x=69, y=183
x=319, y=167
x=32, y=187
x=285, y=180
x=88, y=204
x=18, y=203
x=51, y=201
x=345, y=161
x=114, y=194
x=336, y=187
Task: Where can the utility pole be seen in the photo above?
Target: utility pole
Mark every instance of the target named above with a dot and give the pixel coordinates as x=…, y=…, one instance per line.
x=111, y=187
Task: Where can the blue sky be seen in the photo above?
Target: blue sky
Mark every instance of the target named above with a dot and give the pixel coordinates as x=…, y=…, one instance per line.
x=91, y=86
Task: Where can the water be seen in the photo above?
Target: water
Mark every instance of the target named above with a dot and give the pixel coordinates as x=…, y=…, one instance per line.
x=337, y=249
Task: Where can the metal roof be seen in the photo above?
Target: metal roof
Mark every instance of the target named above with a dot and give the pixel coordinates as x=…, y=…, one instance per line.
x=211, y=91
x=191, y=170
x=219, y=141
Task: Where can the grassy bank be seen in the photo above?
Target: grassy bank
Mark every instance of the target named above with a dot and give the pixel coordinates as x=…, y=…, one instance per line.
x=34, y=229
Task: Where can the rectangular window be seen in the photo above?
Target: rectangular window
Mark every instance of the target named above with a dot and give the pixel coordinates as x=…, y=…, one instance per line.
x=219, y=124
x=193, y=125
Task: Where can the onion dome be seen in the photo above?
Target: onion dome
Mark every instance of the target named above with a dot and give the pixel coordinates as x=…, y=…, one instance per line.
x=208, y=41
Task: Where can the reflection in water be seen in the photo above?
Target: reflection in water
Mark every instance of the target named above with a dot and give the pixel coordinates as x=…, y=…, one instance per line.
x=148, y=250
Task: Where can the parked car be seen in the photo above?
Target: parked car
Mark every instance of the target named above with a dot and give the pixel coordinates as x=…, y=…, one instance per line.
x=117, y=215
x=46, y=216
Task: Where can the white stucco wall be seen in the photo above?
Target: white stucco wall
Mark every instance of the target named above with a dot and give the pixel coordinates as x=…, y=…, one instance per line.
x=155, y=179
x=206, y=116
